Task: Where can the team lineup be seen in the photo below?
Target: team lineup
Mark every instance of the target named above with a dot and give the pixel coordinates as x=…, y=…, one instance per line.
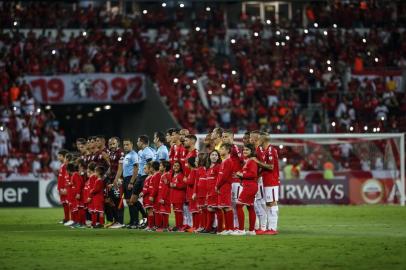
x=207, y=190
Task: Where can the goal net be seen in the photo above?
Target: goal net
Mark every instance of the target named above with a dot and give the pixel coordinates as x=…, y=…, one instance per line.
x=370, y=168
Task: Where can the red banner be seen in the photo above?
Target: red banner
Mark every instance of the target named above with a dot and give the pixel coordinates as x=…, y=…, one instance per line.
x=88, y=88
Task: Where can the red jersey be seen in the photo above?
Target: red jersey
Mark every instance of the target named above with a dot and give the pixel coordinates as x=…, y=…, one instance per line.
x=99, y=159
x=250, y=171
x=270, y=177
x=178, y=193
x=211, y=177
x=163, y=188
x=154, y=185
x=97, y=192
x=190, y=183
x=201, y=183
x=146, y=191
x=89, y=185
x=177, y=153
x=225, y=173
x=115, y=157
x=188, y=154
x=77, y=181
x=236, y=158
x=62, y=177
x=259, y=152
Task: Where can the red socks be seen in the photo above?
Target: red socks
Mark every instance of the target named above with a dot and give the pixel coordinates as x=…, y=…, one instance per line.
x=252, y=217
x=241, y=217
x=75, y=216
x=229, y=220
x=203, y=218
x=196, y=218
x=82, y=216
x=179, y=219
x=150, y=220
x=165, y=221
x=220, y=220
x=158, y=220
x=94, y=218
x=66, y=212
x=209, y=220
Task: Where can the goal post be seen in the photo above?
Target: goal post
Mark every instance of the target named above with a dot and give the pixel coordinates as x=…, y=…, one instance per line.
x=375, y=162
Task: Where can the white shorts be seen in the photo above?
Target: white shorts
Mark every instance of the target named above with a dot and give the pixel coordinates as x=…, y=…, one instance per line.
x=260, y=193
x=236, y=189
x=271, y=194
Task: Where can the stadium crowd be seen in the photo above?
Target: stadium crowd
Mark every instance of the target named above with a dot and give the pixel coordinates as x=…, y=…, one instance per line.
x=250, y=81
x=205, y=189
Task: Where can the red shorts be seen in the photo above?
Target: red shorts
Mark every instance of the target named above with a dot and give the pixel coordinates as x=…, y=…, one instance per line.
x=177, y=207
x=224, y=198
x=63, y=199
x=212, y=201
x=98, y=206
x=147, y=202
x=201, y=202
x=249, y=190
x=165, y=208
x=193, y=206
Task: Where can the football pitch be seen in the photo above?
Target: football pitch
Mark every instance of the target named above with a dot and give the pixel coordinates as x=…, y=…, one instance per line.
x=311, y=237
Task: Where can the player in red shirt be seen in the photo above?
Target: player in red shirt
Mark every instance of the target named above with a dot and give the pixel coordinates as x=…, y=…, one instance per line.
x=237, y=159
x=200, y=190
x=61, y=185
x=145, y=194
x=81, y=146
x=163, y=197
x=178, y=194
x=76, y=182
x=191, y=181
x=96, y=197
x=89, y=185
x=223, y=187
x=212, y=196
x=259, y=204
x=68, y=189
x=248, y=176
x=154, y=188
x=269, y=164
x=177, y=151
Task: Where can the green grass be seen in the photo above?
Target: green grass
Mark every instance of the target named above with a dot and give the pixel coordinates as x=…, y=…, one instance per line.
x=319, y=237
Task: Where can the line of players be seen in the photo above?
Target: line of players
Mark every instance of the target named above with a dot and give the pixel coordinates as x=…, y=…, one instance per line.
x=207, y=191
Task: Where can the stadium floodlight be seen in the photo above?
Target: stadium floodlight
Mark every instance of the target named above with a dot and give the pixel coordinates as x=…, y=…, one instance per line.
x=287, y=37
x=364, y=40
x=335, y=25
x=208, y=9
x=281, y=146
x=234, y=72
x=84, y=33
x=278, y=32
x=163, y=4
x=284, y=159
x=107, y=107
x=194, y=81
x=382, y=118
x=90, y=114
x=14, y=108
x=277, y=43
x=223, y=85
x=311, y=71
x=79, y=116
x=47, y=107
x=351, y=128
x=366, y=128
x=38, y=110
x=119, y=39
x=374, y=130
x=197, y=28
x=97, y=109
x=369, y=53
x=329, y=68
x=232, y=41
x=306, y=31
x=15, y=23
x=268, y=22
x=278, y=127
x=181, y=5
x=210, y=92
x=376, y=59
x=177, y=55
x=53, y=51
x=316, y=25
x=333, y=124
x=157, y=55
x=175, y=80
x=325, y=33
x=378, y=129
x=256, y=34
x=1, y=128
x=283, y=43
x=145, y=11
x=328, y=62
